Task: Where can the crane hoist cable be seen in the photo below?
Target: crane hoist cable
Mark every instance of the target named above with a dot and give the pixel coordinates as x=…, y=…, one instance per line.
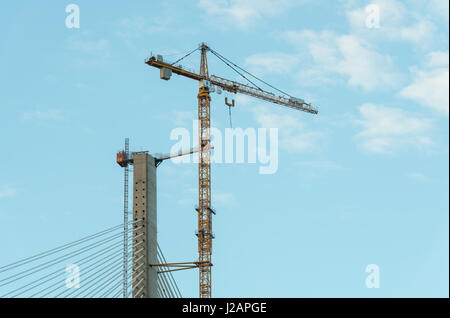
x=221, y=56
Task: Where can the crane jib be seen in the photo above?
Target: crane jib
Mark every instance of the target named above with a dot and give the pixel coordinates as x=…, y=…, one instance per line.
x=236, y=87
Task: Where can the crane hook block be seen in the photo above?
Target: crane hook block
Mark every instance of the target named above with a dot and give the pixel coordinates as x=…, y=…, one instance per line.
x=228, y=104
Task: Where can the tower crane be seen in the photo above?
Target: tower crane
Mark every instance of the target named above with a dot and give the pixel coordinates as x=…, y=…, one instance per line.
x=207, y=83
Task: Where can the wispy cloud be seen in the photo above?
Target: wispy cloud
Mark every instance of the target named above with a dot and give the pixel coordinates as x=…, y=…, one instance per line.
x=98, y=48
x=417, y=176
x=320, y=165
x=325, y=57
x=331, y=55
x=88, y=50
x=223, y=198
x=440, y=9
x=46, y=115
x=387, y=130
x=276, y=62
x=179, y=118
x=138, y=26
x=437, y=59
x=7, y=191
x=397, y=23
x=430, y=86
x=182, y=118
x=130, y=29
x=294, y=135
x=243, y=13
x=188, y=197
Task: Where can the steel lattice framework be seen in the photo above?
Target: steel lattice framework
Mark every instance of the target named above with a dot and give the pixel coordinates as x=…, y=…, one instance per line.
x=204, y=183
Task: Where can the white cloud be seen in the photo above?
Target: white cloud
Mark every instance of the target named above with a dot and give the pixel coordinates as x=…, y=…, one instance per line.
x=51, y=114
x=397, y=23
x=345, y=55
x=417, y=33
x=387, y=130
x=182, y=118
x=223, y=198
x=320, y=164
x=189, y=194
x=138, y=26
x=293, y=134
x=243, y=13
x=440, y=8
x=418, y=176
x=430, y=87
x=276, y=62
x=363, y=65
x=6, y=192
x=437, y=59
x=179, y=118
x=98, y=48
x=244, y=99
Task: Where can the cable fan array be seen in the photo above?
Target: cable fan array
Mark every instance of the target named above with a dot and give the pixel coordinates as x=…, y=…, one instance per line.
x=91, y=267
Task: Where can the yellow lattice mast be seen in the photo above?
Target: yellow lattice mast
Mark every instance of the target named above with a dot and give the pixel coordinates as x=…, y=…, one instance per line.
x=204, y=180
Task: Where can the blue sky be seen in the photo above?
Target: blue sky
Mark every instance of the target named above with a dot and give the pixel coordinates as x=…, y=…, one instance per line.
x=363, y=182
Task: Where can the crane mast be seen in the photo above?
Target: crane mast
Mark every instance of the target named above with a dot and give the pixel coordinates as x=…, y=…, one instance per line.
x=204, y=181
